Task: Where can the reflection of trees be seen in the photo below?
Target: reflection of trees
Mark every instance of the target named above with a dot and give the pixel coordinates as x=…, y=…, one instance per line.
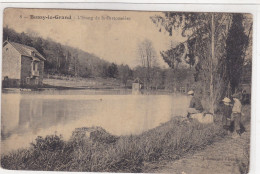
x=9, y=114
x=36, y=114
x=30, y=114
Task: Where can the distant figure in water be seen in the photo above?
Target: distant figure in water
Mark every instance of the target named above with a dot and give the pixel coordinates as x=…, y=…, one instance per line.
x=195, y=104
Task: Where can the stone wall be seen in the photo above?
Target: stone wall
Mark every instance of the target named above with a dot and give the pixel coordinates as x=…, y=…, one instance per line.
x=11, y=63
x=27, y=72
x=17, y=69
x=41, y=72
x=26, y=69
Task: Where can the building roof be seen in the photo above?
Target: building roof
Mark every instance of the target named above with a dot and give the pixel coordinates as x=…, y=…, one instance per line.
x=138, y=80
x=27, y=51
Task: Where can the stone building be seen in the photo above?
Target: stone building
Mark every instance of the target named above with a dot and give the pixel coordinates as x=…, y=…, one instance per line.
x=137, y=86
x=22, y=66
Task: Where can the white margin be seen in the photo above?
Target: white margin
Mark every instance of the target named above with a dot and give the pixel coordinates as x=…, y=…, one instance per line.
x=249, y=6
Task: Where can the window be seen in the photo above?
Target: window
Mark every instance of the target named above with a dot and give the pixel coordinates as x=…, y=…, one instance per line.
x=36, y=81
x=35, y=66
x=27, y=80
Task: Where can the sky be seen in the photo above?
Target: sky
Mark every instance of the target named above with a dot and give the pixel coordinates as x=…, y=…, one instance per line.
x=112, y=40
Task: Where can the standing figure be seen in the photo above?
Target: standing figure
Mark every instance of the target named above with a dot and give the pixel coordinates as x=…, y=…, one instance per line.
x=227, y=111
x=236, y=115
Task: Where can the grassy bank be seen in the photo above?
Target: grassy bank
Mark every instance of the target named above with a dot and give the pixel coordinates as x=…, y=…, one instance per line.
x=103, y=152
x=95, y=150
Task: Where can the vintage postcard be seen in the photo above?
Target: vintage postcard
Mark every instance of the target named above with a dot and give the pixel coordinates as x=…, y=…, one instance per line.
x=126, y=91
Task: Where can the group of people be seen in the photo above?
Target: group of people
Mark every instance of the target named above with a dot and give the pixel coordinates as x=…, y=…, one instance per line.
x=231, y=112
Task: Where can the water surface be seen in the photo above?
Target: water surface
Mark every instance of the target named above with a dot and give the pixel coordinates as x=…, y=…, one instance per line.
x=26, y=115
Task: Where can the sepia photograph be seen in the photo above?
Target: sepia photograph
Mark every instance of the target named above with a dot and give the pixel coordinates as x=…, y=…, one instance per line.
x=126, y=91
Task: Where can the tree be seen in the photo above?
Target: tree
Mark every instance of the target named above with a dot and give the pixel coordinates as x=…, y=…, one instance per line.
x=139, y=72
x=25, y=39
x=11, y=35
x=66, y=63
x=74, y=66
x=173, y=56
x=147, y=57
x=124, y=73
x=112, y=70
x=103, y=68
x=157, y=77
x=206, y=35
x=236, y=42
x=38, y=45
x=63, y=59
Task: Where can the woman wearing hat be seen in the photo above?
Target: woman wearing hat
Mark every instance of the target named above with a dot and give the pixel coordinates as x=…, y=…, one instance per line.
x=195, y=104
x=227, y=111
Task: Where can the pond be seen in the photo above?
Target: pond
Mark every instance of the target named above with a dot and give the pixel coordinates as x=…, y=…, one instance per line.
x=26, y=115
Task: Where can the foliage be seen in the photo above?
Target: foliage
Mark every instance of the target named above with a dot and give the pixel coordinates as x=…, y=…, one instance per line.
x=96, y=153
x=166, y=78
x=50, y=143
x=209, y=47
x=100, y=151
x=236, y=43
x=125, y=73
x=60, y=59
x=112, y=70
x=181, y=55
x=157, y=78
x=147, y=57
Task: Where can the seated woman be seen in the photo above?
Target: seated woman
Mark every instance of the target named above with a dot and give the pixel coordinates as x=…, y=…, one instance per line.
x=195, y=105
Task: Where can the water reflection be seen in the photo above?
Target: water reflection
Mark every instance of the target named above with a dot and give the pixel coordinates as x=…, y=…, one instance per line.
x=25, y=116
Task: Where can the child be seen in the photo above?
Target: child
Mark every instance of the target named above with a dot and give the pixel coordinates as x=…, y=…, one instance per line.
x=227, y=111
x=236, y=115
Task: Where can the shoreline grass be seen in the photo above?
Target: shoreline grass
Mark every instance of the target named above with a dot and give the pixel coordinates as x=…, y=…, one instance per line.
x=95, y=150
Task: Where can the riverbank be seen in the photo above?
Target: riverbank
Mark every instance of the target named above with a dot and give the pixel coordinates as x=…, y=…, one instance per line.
x=73, y=83
x=95, y=150
x=82, y=83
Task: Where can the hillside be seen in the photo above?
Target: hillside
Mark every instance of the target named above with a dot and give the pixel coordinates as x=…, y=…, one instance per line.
x=60, y=59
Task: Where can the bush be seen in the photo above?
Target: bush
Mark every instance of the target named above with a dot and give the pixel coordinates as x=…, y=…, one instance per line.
x=50, y=143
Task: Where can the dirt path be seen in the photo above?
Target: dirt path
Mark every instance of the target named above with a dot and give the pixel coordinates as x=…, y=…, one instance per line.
x=218, y=158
